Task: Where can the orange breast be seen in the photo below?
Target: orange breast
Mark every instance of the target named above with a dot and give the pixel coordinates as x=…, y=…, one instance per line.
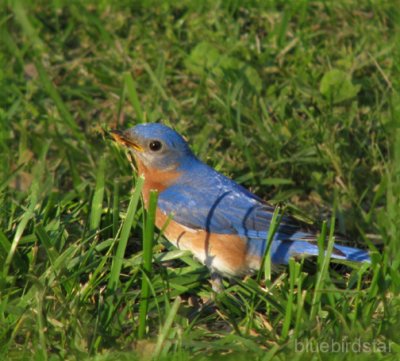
x=155, y=179
x=226, y=253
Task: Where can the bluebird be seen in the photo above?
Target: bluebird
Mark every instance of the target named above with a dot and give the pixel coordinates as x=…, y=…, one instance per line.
x=223, y=224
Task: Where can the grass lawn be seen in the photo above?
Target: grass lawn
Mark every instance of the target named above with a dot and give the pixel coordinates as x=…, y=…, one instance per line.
x=296, y=100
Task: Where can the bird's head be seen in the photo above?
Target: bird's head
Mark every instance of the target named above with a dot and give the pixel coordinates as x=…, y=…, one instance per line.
x=155, y=145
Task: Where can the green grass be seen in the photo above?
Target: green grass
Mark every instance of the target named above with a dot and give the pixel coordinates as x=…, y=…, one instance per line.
x=296, y=100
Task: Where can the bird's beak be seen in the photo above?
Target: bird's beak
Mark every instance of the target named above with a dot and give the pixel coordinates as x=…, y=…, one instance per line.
x=124, y=139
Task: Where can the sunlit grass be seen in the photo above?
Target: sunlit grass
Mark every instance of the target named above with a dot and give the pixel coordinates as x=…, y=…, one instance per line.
x=296, y=101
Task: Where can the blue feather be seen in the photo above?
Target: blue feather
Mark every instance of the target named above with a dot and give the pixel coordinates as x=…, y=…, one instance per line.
x=205, y=199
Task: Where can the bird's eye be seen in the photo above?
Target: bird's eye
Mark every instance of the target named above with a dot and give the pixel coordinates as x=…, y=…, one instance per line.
x=155, y=145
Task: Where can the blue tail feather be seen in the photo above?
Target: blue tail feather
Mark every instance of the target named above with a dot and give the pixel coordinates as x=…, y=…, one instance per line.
x=282, y=251
x=352, y=254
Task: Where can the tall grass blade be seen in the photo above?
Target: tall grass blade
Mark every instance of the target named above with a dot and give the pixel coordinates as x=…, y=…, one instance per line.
x=148, y=237
x=324, y=258
x=130, y=87
x=115, y=209
x=167, y=327
x=97, y=201
x=266, y=264
x=124, y=236
x=27, y=216
x=294, y=271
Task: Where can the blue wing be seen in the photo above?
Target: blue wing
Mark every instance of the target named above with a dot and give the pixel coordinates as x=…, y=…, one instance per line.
x=216, y=204
x=224, y=212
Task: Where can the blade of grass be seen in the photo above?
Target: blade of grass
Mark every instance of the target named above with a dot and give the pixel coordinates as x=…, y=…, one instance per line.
x=56, y=97
x=148, y=237
x=130, y=87
x=167, y=327
x=38, y=46
x=27, y=27
x=301, y=296
x=42, y=347
x=33, y=201
x=358, y=298
x=160, y=88
x=323, y=264
x=265, y=265
x=294, y=271
x=5, y=246
x=97, y=201
x=123, y=239
x=20, y=229
x=115, y=210
x=45, y=240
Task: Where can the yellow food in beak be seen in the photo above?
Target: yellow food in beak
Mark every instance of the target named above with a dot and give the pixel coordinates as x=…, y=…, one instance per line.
x=121, y=138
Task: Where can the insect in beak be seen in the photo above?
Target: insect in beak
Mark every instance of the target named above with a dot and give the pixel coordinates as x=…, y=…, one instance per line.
x=122, y=138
